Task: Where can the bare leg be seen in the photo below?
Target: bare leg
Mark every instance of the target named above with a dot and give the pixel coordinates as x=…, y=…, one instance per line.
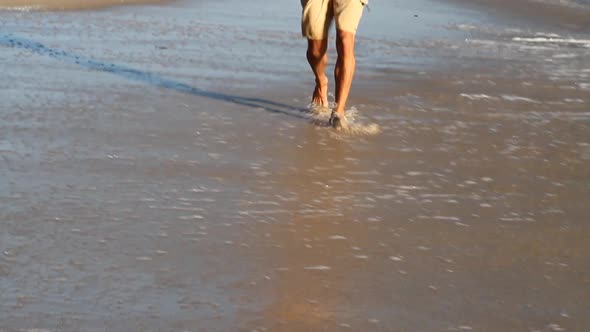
x=344, y=71
x=317, y=57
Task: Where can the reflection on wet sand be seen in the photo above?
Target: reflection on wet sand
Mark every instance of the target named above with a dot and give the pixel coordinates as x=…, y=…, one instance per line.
x=319, y=243
x=307, y=297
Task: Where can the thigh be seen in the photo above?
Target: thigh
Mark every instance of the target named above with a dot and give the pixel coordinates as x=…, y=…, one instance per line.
x=316, y=18
x=348, y=13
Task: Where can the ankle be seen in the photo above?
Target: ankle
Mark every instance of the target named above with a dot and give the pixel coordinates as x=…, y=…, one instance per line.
x=338, y=109
x=321, y=80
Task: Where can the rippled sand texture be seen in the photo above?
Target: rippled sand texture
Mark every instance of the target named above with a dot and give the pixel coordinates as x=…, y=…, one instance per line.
x=158, y=172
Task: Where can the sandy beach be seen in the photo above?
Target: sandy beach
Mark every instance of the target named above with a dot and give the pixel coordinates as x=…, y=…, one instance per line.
x=159, y=170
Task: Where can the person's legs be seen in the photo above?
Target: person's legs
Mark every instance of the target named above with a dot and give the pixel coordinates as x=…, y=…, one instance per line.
x=317, y=57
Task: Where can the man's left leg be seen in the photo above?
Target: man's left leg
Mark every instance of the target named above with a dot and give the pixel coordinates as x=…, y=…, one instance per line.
x=344, y=70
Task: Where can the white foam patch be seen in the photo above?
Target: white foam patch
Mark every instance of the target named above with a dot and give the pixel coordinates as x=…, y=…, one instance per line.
x=176, y=208
x=465, y=27
x=519, y=99
x=575, y=116
x=192, y=217
x=317, y=268
x=319, y=114
x=354, y=127
x=482, y=42
x=548, y=35
x=568, y=3
x=22, y=8
x=262, y=212
x=444, y=218
x=480, y=96
x=358, y=129
x=565, y=56
x=553, y=40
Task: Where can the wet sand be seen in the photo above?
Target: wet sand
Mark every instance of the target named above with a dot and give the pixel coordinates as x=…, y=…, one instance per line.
x=158, y=171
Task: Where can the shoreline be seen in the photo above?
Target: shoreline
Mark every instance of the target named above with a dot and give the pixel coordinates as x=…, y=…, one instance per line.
x=563, y=15
x=65, y=5
x=161, y=173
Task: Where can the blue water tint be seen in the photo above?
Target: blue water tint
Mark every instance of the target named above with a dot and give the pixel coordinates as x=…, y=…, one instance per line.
x=410, y=20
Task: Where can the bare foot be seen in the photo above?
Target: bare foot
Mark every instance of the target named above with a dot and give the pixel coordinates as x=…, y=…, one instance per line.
x=320, y=93
x=339, y=110
x=338, y=120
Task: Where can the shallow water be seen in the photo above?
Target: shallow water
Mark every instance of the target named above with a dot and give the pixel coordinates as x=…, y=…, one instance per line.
x=159, y=171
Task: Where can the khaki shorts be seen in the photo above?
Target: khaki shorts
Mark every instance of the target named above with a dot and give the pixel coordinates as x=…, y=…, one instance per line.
x=318, y=15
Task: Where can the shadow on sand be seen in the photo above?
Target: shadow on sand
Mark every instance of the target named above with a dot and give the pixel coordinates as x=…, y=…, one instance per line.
x=150, y=78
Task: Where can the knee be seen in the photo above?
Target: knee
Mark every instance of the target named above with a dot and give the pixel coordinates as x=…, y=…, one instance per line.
x=345, y=45
x=315, y=53
x=316, y=49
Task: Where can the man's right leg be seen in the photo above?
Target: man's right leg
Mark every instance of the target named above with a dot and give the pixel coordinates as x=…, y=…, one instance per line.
x=315, y=22
x=317, y=57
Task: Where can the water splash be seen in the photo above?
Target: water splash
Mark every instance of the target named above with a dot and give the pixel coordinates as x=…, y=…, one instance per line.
x=355, y=125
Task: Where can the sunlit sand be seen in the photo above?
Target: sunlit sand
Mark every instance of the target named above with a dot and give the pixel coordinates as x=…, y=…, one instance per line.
x=66, y=4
